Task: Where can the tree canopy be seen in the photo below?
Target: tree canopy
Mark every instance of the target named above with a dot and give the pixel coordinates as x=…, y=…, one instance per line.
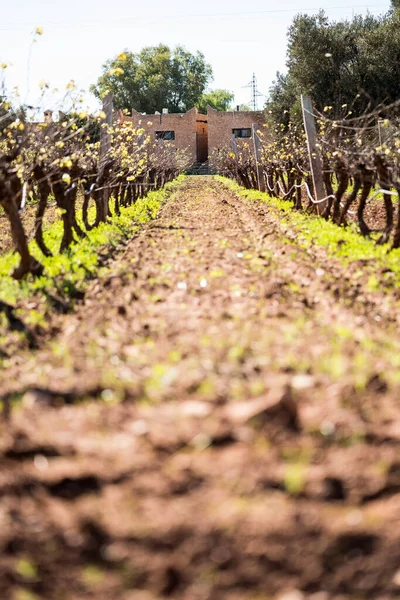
x=351, y=65
x=219, y=99
x=157, y=77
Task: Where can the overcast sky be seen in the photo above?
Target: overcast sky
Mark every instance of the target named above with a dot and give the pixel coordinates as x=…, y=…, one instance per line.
x=236, y=37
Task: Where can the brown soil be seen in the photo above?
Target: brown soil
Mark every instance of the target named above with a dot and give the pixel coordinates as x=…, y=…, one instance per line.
x=374, y=214
x=28, y=217
x=198, y=428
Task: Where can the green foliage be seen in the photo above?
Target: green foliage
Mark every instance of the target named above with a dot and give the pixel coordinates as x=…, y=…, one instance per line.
x=26, y=569
x=218, y=99
x=352, y=64
x=67, y=275
x=89, y=123
x=283, y=105
x=157, y=77
x=243, y=107
x=294, y=479
x=343, y=244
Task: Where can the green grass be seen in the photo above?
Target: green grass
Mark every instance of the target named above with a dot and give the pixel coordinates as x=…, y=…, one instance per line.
x=67, y=275
x=343, y=243
x=334, y=350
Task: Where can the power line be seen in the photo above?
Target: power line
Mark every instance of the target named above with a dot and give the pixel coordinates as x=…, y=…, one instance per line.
x=111, y=22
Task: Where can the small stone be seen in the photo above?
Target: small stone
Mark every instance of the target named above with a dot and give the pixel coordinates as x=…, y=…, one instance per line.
x=327, y=428
x=107, y=395
x=139, y=428
x=278, y=404
x=41, y=462
x=32, y=397
x=201, y=441
x=302, y=382
x=354, y=518
x=31, y=305
x=291, y=595
x=396, y=578
x=319, y=596
x=194, y=408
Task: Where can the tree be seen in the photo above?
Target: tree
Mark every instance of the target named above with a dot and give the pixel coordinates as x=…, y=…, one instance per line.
x=155, y=78
x=283, y=100
x=351, y=65
x=75, y=120
x=219, y=99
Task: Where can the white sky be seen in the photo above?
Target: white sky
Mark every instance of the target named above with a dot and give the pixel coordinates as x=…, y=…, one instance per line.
x=236, y=37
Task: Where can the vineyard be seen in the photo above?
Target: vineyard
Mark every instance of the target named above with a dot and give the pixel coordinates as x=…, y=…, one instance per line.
x=200, y=379
x=355, y=162
x=61, y=162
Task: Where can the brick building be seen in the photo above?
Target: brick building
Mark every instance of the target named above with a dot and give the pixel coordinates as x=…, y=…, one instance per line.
x=199, y=134
x=223, y=125
x=182, y=129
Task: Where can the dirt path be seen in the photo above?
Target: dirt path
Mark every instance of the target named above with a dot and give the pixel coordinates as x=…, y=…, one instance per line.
x=218, y=420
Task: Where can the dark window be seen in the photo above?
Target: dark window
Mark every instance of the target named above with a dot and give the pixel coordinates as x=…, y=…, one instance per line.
x=165, y=135
x=241, y=133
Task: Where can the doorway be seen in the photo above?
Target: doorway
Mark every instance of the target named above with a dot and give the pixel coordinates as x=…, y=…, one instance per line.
x=202, y=139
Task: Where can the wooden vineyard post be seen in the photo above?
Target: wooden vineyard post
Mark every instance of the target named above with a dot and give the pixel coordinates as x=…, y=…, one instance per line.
x=235, y=152
x=313, y=152
x=234, y=145
x=105, y=146
x=257, y=154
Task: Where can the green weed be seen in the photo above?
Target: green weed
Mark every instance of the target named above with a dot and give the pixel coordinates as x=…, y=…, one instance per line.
x=342, y=243
x=66, y=276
